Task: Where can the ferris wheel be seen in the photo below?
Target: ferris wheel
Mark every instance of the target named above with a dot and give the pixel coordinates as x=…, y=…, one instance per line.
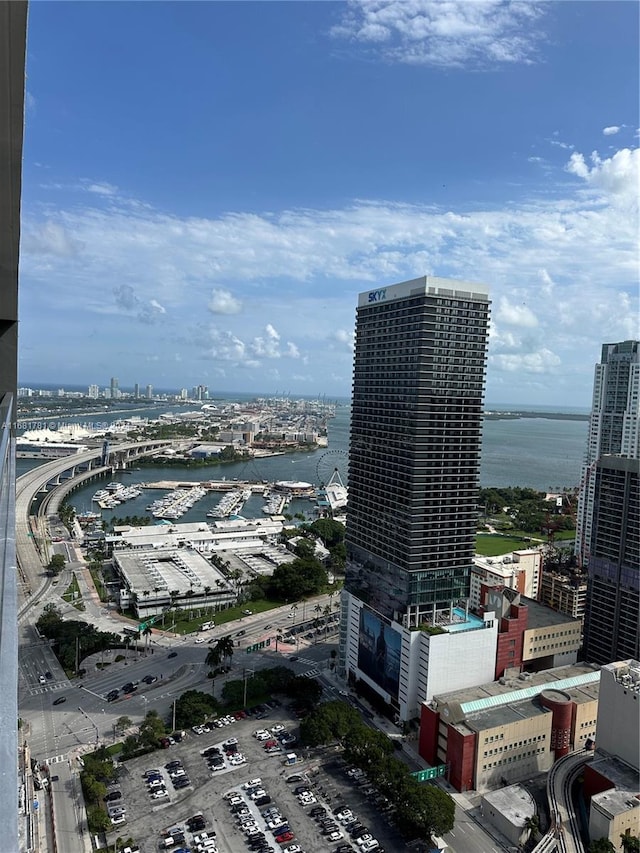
x=332, y=465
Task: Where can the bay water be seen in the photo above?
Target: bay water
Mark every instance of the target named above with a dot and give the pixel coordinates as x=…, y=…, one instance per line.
x=537, y=452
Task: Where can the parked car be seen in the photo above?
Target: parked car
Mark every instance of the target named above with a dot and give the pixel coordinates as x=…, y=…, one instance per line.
x=113, y=795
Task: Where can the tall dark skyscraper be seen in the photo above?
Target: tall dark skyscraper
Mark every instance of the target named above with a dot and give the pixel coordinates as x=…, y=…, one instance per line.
x=414, y=471
x=414, y=456
x=611, y=629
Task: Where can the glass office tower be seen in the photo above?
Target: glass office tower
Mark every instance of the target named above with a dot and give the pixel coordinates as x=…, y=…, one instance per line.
x=614, y=428
x=414, y=456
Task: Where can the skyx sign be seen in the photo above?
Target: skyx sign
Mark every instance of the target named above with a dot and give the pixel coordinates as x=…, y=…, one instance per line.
x=377, y=295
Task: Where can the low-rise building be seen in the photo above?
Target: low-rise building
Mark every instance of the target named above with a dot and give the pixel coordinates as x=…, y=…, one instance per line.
x=614, y=814
x=519, y=570
x=154, y=580
x=404, y=666
x=564, y=593
x=504, y=731
x=509, y=811
x=530, y=635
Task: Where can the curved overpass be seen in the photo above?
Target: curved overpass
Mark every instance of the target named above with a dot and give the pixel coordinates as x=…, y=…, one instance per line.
x=49, y=476
x=564, y=835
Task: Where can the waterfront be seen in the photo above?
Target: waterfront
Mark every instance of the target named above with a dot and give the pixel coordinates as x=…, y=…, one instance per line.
x=539, y=453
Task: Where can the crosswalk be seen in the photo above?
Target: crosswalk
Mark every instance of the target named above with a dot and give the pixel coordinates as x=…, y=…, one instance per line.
x=57, y=759
x=310, y=673
x=49, y=688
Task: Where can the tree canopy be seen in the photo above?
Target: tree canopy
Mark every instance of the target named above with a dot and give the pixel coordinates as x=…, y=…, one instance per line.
x=194, y=707
x=64, y=635
x=422, y=810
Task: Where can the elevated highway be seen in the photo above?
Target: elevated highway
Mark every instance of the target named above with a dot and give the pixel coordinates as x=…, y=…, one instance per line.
x=31, y=546
x=564, y=835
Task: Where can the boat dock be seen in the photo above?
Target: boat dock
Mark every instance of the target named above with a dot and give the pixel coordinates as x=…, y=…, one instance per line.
x=209, y=485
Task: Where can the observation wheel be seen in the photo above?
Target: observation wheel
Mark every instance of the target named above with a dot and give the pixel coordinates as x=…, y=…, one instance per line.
x=334, y=464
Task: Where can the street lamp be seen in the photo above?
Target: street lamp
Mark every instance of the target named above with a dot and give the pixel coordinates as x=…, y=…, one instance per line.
x=245, y=675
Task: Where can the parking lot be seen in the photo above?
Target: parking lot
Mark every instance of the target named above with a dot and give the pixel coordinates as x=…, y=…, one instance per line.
x=160, y=792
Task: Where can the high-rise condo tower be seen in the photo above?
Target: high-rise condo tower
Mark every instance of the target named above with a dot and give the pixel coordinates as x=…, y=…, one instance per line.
x=614, y=428
x=414, y=462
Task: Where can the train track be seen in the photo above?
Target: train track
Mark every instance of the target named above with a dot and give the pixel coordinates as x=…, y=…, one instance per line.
x=564, y=834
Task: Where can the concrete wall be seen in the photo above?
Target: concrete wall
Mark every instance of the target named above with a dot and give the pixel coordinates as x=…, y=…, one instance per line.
x=618, y=729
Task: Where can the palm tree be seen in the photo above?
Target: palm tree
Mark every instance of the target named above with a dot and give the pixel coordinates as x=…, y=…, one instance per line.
x=147, y=632
x=630, y=843
x=226, y=647
x=213, y=656
x=532, y=824
x=294, y=608
x=326, y=612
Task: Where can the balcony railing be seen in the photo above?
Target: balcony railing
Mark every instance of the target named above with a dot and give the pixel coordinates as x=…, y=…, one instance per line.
x=8, y=631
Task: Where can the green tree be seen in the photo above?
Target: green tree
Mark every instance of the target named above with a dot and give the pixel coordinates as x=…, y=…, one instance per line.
x=601, y=845
x=331, y=532
x=297, y=579
x=226, y=648
x=93, y=790
x=151, y=729
x=97, y=819
x=305, y=549
x=630, y=843
x=146, y=633
x=123, y=723
x=532, y=824
x=56, y=564
x=194, y=707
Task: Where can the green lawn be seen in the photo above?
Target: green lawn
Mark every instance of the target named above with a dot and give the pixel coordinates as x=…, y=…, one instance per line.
x=492, y=545
x=188, y=626
x=72, y=594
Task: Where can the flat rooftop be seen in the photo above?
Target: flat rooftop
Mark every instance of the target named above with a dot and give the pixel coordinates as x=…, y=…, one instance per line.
x=615, y=802
x=493, y=718
x=514, y=802
x=516, y=689
x=180, y=569
x=541, y=616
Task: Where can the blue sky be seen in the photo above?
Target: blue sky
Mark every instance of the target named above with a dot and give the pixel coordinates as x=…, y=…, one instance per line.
x=208, y=186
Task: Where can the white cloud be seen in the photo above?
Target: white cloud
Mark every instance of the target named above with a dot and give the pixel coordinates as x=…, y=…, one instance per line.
x=611, y=130
x=516, y=315
x=539, y=361
x=223, y=302
x=617, y=177
x=345, y=337
x=560, y=144
x=102, y=189
x=50, y=238
x=267, y=345
x=445, y=33
x=562, y=268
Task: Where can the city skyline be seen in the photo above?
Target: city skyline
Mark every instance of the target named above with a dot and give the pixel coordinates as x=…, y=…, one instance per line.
x=214, y=216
